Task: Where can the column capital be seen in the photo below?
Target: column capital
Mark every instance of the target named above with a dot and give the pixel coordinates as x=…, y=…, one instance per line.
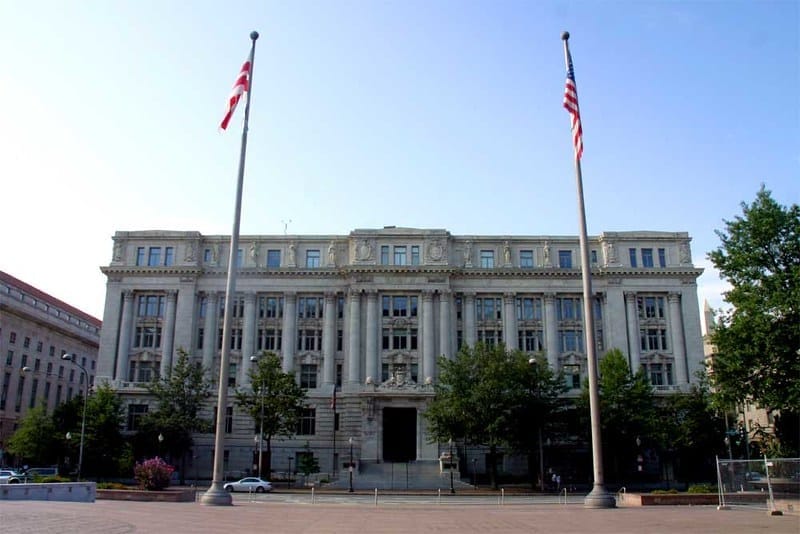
x=630, y=295
x=127, y=294
x=469, y=295
x=674, y=297
x=172, y=294
x=372, y=294
x=427, y=295
x=290, y=295
x=330, y=296
x=445, y=293
x=509, y=297
x=549, y=297
x=249, y=298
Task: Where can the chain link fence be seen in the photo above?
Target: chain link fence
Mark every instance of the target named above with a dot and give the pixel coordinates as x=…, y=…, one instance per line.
x=765, y=483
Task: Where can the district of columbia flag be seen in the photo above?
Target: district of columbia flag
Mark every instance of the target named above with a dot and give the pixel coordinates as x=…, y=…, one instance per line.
x=241, y=85
x=571, y=105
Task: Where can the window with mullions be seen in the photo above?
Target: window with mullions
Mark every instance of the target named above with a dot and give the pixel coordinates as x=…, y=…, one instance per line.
x=647, y=257
x=400, y=255
x=229, y=420
x=415, y=255
x=660, y=374
x=135, y=414
x=273, y=258
x=565, y=259
x=237, y=308
x=572, y=376
x=399, y=339
x=571, y=340
x=569, y=309
x=399, y=306
x=306, y=424
x=526, y=259
x=39, y=346
x=652, y=339
x=529, y=309
x=487, y=259
x=632, y=255
x=169, y=256
x=309, y=339
x=236, y=339
x=490, y=336
x=651, y=307
x=154, y=257
x=384, y=254
x=310, y=307
x=662, y=257
x=488, y=308
x=139, y=256
x=459, y=308
x=147, y=337
x=270, y=307
x=529, y=340
x=207, y=255
x=150, y=306
x=269, y=339
x=340, y=307
x=312, y=258
x=308, y=376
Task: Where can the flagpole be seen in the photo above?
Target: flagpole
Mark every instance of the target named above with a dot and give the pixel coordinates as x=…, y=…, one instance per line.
x=598, y=497
x=216, y=494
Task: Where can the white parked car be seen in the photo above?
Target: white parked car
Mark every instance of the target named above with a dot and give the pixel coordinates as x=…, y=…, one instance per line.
x=249, y=484
x=8, y=476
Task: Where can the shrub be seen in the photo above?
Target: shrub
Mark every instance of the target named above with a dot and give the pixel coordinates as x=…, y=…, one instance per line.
x=111, y=485
x=671, y=491
x=50, y=479
x=702, y=488
x=153, y=474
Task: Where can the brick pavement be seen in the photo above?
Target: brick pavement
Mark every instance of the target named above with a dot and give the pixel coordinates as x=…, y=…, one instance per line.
x=118, y=517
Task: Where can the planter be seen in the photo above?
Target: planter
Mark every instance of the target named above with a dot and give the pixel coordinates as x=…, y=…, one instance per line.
x=167, y=495
x=686, y=499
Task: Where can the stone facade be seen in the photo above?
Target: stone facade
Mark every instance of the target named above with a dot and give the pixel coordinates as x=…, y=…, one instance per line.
x=368, y=314
x=35, y=330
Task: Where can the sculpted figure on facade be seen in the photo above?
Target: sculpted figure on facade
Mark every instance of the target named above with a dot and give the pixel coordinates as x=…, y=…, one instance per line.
x=610, y=252
x=254, y=253
x=292, y=258
x=216, y=250
x=332, y=254
x=117, y=251
x=190, y=252
x=546, y=253
x=468, y=254
x=506, y=253
x=685, y=253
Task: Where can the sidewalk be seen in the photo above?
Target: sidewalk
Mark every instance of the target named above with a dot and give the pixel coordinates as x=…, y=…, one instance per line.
x=151, y=517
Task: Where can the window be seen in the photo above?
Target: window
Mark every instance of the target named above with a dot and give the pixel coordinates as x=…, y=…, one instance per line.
x=26, y=343
x=310, y=307
x=399, y=339
x=154, y=257
x=34, y=387
x=647, y=257
x=338, y=375
x=662, y=257
x=269, y=339
x=565, y=259
x=239, y=257
x=526, y=259
x=232, y=373
x=651, y=307
x=229, y=420
x=593, y=256
x=306, y=425
x=656, y=374
x=169, y=256
x=4, y=393
x=308, y=376
x=10, y=358
x=340, y=339
x=135, y=414
x=46, y=393
x=632, y=254
x=49, y=367
x=309, y=339
x=312, y=259
x=490, y=336
x=151, y=306
x=569, y=309
x=571, y=340
x=487, y=259
x=652, y=339
x=273, y=258
x=529, y=309
x=415, y=255
x=207, y=255
x=400, y=255
x=12, y=337
x=270, y=307
x=139, y=256
x=488, y=309
x=399, y=306
x=384, y=254
x=572, y=375
x=147, y=337
x=24, y=361
x=529, y=340
x=39, y=346
x=52, y=350
x=37, y=364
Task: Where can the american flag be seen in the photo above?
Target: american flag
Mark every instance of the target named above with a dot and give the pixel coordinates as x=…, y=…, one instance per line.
x=241, y=85
x=571, y=105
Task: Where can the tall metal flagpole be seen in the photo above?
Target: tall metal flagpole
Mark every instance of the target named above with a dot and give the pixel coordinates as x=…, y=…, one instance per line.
x=598, y=497
x=216, y=494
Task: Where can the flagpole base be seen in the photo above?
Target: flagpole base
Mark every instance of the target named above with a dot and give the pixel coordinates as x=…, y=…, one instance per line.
x=599, y=498
x=216, y=496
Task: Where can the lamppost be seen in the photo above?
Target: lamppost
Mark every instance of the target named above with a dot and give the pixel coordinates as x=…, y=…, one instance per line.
x=71, y=358
x=450, y=460
x=289, y=478
x=350, y=466
x=261, y=422
x=474, y=472
x=160, y=441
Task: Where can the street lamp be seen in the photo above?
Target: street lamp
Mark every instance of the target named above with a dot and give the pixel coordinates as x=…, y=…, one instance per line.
x=71, y=358
x=450, y=442
x=261, y=423
x=474, y=472
x=350, y=441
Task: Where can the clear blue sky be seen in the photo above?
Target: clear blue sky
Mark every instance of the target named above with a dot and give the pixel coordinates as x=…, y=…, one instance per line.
x=443, y=114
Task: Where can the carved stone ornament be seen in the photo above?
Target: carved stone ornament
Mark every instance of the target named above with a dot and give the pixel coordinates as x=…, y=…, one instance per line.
x=362, y=250
x=436, y=250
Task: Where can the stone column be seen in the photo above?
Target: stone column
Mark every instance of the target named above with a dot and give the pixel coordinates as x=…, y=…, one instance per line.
x=353, y=354
x=329, y=339
x=469, y=319
x=428, y=348
x=551, y=330
x=124, y=347
x=633, y=331
x=372, y=355
x=678, y=349
x=249, y=339
x=614, y=319
x=167, y=338
x=109, y=334
x=510, y=321
x=445, y=347
x=185, y=315
x=210, y=329
x=289, y=337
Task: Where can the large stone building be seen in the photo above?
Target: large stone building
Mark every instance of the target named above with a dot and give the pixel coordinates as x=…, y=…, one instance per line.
x=369, y=313
x=36, y=329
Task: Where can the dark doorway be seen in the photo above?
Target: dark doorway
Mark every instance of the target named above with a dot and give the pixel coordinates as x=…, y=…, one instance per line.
x=399, y=434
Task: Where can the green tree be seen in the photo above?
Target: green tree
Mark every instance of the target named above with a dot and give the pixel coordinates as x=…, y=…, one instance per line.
x=627, y=412
x=104, y=441
x=758, y=339
x=275, y=401
x=307, y=463
x=485, y=394
x=35, y=442
x=180, y=397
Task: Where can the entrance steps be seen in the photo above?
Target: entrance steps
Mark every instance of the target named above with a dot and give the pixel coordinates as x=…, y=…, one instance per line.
x=417, y=475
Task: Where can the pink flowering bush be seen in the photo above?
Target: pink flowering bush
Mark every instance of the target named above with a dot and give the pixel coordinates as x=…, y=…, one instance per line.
x=153, y=474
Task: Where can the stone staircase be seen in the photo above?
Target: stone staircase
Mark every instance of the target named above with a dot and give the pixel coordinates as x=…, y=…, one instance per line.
x=417, y=475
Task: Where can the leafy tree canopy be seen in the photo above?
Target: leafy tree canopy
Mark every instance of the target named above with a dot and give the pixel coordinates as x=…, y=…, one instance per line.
x=758, y=339
x=35, y=442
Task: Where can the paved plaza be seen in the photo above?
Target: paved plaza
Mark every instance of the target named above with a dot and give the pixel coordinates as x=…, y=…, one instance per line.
x=117, y=517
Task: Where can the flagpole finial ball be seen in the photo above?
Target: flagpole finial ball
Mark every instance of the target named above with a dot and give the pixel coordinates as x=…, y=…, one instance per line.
x=564, y=36
x=253, y=35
